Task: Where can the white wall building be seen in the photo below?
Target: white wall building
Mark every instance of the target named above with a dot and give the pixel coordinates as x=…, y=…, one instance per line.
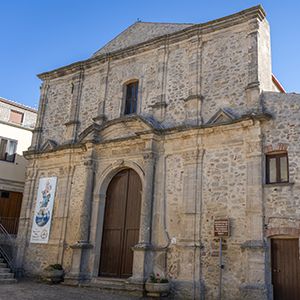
x=16, y=124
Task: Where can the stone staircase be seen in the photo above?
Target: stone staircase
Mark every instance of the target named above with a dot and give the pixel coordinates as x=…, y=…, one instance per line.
x=6, y=276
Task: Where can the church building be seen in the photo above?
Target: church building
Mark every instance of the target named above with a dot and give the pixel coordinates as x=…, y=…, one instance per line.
x=172, y=150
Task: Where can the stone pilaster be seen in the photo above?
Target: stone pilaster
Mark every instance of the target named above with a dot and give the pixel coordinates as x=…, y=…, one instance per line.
x=142, y=255
x=252, y=90
x=194, y=100
x=24, y=230
x=159, y=105
x=72, y=125
x=79, y=269
x=101, y=117
x=36, y=134
x=253, y=248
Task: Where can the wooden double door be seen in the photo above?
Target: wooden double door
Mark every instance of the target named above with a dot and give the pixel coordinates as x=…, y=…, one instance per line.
x=121, y=224
x=285, y=269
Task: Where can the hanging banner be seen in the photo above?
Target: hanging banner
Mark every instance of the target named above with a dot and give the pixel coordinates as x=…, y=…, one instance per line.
x=43, y=210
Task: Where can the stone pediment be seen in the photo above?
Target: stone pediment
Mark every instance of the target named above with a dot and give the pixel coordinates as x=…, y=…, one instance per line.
x=48, y=146
x=121, y=128
x=221, y=116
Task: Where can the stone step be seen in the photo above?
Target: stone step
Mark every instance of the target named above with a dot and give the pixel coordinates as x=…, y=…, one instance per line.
x=6, y=275
x=4, y=270
x=116, y=284
x=1, y=259
x=3, y=265
x=8, y=281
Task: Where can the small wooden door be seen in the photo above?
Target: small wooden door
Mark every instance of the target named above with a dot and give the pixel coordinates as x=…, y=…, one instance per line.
x=285, y=269
x=10, y=207
x=121, y=224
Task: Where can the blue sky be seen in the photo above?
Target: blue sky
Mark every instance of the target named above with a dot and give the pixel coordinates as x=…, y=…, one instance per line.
x=41, y=35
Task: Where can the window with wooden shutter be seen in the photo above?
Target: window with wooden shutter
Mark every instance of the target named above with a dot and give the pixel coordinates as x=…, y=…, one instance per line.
x=16, y=117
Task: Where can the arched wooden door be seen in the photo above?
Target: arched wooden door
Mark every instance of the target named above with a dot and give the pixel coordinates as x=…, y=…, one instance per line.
x=121, y=224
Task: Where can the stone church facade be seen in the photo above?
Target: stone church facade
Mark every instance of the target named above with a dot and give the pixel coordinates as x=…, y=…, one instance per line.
x=163, y=131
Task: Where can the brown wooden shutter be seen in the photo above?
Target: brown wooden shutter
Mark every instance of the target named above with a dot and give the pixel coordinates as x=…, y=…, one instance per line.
x=16, y=117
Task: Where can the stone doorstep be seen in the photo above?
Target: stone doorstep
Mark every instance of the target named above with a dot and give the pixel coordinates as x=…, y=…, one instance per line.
x=116, y=284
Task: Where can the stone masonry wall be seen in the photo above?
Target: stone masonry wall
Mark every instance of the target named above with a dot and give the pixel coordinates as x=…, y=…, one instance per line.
x=282, y=202
x=57, y=110
x=214, y=65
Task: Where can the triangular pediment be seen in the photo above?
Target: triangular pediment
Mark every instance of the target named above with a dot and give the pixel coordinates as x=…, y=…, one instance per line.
x=222, y=116
x=49, y=145
x=121, y=128
x=140, y=32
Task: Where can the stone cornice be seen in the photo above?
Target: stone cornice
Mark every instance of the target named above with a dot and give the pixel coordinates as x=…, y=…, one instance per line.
x=244, y=121
x=256, y=12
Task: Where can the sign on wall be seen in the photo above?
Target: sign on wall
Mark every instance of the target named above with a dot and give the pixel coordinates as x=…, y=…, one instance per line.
x=43, y=210
x=221, y=227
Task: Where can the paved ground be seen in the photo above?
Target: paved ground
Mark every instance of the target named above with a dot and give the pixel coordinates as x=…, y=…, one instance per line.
x=30, y=290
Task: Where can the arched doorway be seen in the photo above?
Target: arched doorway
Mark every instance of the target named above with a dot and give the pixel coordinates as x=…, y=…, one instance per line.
x=121, y=224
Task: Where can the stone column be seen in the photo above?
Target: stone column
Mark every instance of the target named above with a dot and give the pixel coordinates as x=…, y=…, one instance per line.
x=79, y=270
x=142, y=254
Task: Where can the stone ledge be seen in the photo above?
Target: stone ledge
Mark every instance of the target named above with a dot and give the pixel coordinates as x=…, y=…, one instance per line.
x=278, y=184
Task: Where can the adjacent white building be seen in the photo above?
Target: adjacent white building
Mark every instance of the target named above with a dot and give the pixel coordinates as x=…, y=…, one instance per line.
x=16, y=124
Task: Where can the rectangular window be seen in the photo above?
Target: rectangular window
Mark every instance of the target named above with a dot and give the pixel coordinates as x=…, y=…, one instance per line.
x=8, y=149
x=131, y=98
x=16, y=117
x=277, y=169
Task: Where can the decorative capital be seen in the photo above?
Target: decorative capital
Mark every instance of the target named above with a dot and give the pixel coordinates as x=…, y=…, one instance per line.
x=81, y=245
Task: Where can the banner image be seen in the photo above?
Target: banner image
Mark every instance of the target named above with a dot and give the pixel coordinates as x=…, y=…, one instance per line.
x=43, y=210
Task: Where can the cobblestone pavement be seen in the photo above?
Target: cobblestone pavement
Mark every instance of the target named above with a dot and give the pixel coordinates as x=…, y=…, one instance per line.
x=31, y=290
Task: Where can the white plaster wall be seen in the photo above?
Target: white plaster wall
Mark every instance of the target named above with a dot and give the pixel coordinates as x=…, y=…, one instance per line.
x=15, y=171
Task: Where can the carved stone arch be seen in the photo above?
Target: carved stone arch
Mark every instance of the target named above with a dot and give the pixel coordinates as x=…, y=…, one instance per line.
x=112, y=170
x=131, y=80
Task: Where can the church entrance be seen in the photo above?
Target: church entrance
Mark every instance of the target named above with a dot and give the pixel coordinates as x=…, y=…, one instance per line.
x=121, y=224
x=285, y=269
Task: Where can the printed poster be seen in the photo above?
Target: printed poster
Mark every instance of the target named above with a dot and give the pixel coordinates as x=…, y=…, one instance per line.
x=43, y=210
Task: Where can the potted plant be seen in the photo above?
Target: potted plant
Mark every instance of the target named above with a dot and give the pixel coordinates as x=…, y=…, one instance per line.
x=157, y=285
x=54, y=273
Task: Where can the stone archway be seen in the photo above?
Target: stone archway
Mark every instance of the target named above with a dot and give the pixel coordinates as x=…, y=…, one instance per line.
x=98, y=209
x=121, y=224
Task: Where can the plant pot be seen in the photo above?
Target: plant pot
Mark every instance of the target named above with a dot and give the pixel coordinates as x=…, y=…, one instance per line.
x=157, y=289
x=53, y=276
